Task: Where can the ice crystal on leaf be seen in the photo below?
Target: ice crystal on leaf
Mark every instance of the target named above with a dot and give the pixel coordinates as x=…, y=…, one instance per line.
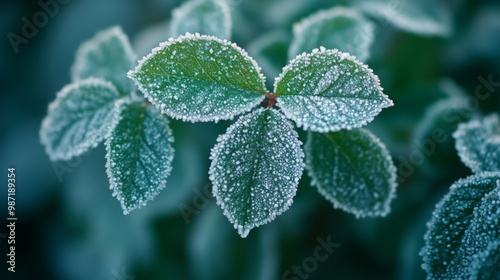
x=341, y=28
x=486, y=264
x=463, y=224
x=108, y=56
x=478, y=144
x=139, y=154
x=353, y=170
x=79, y=118
x=200, y=78
x=256, y=167
x=208, y=17
x=328, y=90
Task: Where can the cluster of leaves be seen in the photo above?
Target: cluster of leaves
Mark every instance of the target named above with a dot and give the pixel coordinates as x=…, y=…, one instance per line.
x=257, y=163
x=464, y=232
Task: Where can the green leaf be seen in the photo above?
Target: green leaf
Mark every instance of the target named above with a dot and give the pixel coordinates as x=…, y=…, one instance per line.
x=208, y=17
x=256, y=167
x=139, y=155
x=458, y=217
x=79, y=118
x=478, y=144
x=200, y=78
x=108, y=56
x=353, y=170
x=341, y=28
x=426, y=17
x=328, y=90
x=486, y=264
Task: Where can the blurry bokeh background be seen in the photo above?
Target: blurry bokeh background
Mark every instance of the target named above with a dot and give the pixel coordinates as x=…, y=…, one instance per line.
x=70, y=227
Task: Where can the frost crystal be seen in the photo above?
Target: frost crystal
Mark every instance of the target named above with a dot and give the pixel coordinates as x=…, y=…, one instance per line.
x=256, y=167
x=139, y=155
x=108, y=56
x=208, y=17
x=200, y=78
x=353, y=170
x=478, y=144
x=341, y=28
x=79, y=118
x=462, y=225
x=328, y=90
x=486, y=264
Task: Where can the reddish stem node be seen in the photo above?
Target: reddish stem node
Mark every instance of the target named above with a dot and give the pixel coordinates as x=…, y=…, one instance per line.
x=271, y=97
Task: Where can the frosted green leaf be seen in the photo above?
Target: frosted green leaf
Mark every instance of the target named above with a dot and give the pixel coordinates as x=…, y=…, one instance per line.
x=353, y=170
x=454, y=220
x=208, y=17
x=139, y=155
x=426, y=17
x=338, y=28
x=484, y=229
x=200, y=78
x=478, y=144
x=486, y=264
x=79, y=118
x=256, y=167
x=108, y=56
x=328, y=90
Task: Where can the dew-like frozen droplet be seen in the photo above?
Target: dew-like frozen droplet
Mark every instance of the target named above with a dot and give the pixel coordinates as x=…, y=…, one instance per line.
x=261, y=176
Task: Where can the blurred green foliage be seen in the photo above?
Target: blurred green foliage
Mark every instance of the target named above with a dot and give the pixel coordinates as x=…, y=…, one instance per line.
x=73, y=229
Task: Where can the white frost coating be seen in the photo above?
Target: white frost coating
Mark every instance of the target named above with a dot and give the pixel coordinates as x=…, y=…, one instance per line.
x=139, y=154
x=79, y=118
x=460, y=226
x=256, y=167
x=208, y=17
x=108, y=55
x=341, y=28
x=328, y=90
x=353, y=170
x=200, y=78
x=478, y=144
x=486, y=264
x=426, y=17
